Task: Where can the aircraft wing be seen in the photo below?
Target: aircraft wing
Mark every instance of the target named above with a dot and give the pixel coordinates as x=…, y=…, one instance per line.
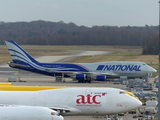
x=60, y=109
x=102, y=73
x=88, y=73
x=81, y=72
x=63, y=110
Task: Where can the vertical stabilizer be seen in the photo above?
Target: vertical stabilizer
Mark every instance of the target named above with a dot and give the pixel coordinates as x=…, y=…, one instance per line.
x=18, y=54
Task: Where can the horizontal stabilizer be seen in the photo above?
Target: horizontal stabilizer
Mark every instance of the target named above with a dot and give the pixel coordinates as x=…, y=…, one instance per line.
x=16, y=65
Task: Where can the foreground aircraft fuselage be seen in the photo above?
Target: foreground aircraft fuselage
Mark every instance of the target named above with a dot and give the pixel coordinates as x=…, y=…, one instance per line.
x=85, y=101
x=80, y=71
x=28, y=113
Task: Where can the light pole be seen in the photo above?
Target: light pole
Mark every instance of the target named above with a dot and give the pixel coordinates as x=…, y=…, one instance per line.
x=159, y=69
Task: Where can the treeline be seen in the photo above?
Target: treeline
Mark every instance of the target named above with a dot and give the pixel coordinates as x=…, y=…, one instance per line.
x=151, y=46
x=60, y=33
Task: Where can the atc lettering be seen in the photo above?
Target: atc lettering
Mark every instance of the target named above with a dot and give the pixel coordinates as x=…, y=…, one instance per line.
x=88, y=99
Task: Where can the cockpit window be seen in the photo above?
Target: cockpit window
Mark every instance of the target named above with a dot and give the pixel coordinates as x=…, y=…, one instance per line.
x=121, y=92
x=132, y=95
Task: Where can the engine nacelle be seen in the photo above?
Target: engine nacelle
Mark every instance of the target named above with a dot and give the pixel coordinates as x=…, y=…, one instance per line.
x=100, y=77
x=80, y=76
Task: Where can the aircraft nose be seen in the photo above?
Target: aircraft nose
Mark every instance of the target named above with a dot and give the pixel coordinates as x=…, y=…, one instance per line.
x=152, y=70
x=135, y=103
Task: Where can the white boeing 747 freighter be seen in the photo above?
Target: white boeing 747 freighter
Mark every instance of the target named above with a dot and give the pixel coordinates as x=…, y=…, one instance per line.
x=83, y=72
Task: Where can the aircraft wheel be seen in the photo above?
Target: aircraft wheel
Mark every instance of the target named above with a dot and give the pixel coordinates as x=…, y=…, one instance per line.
x=79, y=81
x=88, y=81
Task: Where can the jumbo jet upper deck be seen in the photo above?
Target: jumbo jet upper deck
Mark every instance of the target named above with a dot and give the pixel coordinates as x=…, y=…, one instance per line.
x=80, y=71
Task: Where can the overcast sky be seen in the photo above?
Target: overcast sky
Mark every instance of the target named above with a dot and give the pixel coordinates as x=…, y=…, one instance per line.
x=83, y=12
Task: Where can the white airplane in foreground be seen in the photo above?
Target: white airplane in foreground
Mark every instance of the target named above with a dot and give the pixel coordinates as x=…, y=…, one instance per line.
x=74, y=101
x=83, y=72
x=28, y=113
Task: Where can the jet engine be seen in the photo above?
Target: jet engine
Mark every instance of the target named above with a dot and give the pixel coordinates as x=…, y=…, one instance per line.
x=100, y=77
x=80, y=76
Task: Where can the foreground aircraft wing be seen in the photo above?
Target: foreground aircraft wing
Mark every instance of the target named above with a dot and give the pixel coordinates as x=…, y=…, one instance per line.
x=64, y=110
x=60, y=109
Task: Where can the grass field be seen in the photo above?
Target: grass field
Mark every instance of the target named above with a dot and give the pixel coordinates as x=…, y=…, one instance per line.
x=120, y=53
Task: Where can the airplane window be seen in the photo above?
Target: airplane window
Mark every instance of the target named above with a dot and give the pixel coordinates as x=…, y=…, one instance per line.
x=121, y=92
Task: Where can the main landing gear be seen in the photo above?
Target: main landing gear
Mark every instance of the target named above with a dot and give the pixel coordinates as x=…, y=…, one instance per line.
x=84, y=81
